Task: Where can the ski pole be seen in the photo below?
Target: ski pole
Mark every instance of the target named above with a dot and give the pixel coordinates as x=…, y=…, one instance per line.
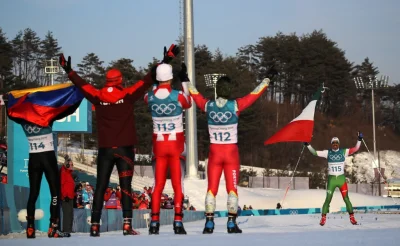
x=291, y=179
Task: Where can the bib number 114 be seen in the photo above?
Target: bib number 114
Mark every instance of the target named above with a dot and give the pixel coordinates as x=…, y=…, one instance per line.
x=35, y=146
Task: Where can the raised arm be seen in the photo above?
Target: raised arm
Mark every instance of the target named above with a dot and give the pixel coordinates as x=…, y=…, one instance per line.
x=323, y=153
x=358, y=144
x=200, y=101
x=87, y=89
x=137, y=90
x=248, y=100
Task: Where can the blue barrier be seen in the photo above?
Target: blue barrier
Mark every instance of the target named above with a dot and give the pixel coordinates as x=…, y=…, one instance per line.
x=14, y=198
x=373, y=208
x=265, y=212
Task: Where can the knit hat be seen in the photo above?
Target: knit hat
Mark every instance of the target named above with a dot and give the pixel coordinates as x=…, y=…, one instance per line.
x=335, y=139
x=164, y=72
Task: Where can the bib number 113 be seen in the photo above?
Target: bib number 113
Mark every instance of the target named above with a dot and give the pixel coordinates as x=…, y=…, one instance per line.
x=166, y=127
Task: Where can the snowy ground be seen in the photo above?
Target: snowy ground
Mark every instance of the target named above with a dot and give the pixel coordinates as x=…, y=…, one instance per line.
x=266, y=198
x=374, y=229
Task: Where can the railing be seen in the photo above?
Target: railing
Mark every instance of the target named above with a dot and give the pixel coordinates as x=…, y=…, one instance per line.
x=137, y=184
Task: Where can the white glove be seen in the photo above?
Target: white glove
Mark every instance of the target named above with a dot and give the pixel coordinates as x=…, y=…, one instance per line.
x=266, y=81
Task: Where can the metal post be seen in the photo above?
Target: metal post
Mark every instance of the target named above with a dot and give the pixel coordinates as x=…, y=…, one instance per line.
x=373, y=83
x=51, y=68
x=373, y=120
x=83, y=147
x=211, y=81
x=191, y=124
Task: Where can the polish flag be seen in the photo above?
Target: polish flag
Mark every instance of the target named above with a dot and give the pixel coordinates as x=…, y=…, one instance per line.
x=301, y=128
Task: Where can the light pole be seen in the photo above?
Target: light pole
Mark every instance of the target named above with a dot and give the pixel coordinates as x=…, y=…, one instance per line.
x=51, y=68
x=372, y=84
x=211, y=81
x=191, y=124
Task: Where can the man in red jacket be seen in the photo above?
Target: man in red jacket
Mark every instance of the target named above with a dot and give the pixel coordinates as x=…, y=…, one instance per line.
x=67, y=195
x=116, y=132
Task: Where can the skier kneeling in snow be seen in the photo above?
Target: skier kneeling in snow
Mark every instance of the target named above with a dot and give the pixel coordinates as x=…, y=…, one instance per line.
x=336, y=178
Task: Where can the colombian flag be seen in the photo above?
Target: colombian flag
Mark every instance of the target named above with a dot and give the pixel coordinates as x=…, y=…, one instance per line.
x=43, y=105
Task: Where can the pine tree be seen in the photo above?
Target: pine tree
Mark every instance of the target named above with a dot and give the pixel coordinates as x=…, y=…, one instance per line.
x=92, y=71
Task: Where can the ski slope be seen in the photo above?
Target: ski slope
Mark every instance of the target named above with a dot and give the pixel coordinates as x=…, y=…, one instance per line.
x=289, y=230
x=266, y=198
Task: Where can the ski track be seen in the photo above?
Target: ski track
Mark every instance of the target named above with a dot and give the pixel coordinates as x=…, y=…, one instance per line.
x=374, y=229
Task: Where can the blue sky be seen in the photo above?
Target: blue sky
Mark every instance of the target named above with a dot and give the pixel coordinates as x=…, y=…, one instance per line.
x=138, y=29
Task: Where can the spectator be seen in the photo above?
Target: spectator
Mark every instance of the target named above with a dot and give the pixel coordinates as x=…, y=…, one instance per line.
x=87, y=195
x=3, y=178
x=192, y=208
x=278, y=206
x=143, y=202
x=239, y=208
x=168, y=203
x=250, y=207
x=67, y=195
x=78, y=196
x=111, y=198
x=244, y=207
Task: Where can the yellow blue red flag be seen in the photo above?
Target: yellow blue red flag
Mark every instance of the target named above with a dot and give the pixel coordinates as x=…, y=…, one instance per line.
x=43, y=105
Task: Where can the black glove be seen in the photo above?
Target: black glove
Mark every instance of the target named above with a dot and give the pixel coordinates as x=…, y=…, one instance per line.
x=306, y=144
x=172, y=52
x=360, y=136
x=66, y=65
x=183, y=75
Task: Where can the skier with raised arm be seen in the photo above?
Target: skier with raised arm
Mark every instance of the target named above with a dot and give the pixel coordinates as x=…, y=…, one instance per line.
x=166, y=106
x=222, y=117
x=116, y=132
x=336, y=179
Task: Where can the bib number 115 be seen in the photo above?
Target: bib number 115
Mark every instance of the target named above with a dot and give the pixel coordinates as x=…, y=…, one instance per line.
x=336, y=168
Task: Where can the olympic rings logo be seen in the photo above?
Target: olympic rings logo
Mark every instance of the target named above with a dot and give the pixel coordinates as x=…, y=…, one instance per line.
x=32, y=129
x=336, y=157
x=163, y=108
x=220, y=116
x=293, y=212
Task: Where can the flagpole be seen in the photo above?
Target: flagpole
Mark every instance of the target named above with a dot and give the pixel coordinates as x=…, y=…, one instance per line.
x=291, y=179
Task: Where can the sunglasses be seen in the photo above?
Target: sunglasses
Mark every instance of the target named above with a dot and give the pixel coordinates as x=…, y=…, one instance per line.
x=335, y=142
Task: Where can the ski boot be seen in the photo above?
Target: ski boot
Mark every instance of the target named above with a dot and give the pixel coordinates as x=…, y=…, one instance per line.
x=95, y=230
x=54, y=231
x=154, y=228
x=352, y=219
x=323, y=220
x=178, y=227
x=127, y=227
x=231, y=225
x=30, y=229
x=209, y=226
x=67, y=234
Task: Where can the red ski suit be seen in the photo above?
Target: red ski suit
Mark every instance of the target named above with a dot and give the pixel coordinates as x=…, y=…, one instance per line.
x=225, y=157
x=167, y=148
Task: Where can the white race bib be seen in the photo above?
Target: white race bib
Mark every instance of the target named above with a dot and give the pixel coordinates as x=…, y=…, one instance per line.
x=223, y=134
x=336, y=168
x=165, y=125
x=41, y=143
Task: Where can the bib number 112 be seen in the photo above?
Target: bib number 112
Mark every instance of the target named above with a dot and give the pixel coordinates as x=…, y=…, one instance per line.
x=223, y=137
